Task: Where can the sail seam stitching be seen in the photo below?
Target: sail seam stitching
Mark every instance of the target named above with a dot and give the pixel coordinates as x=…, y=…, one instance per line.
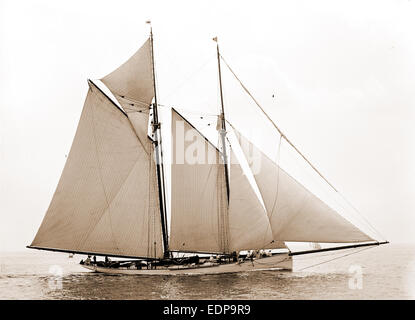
x=103, y=188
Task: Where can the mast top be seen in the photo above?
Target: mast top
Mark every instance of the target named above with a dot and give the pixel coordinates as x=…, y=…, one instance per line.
x=222, y=114
x=151, y=28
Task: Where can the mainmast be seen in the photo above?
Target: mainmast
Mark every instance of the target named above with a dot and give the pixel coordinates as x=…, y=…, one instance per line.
x=222, y=131
x=224, y=220
x=159, y=156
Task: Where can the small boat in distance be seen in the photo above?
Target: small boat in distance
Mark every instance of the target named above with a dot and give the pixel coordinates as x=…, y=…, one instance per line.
x=111, y=198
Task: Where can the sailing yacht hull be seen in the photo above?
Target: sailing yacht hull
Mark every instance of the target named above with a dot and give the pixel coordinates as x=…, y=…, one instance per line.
x=275, y=262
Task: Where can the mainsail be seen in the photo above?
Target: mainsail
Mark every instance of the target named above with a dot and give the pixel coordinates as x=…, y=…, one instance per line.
x=198, y=195
x=200, y=215
x=294, y=212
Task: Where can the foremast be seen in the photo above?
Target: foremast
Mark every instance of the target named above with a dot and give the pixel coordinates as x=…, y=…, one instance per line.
x=159, y=156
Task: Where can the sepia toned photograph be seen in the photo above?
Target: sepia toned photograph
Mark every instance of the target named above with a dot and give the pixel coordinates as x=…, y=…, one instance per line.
x=207, y=150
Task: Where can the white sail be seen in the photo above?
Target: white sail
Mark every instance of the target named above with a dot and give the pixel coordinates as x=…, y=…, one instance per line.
x=198, y=193
x=294, y=212
x=132, y=86
x=201, y=220
x=106, y=201
x=249, y=227
x=133, y=80
x=138, y=116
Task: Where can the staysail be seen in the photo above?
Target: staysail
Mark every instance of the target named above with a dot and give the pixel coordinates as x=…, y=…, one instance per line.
x=248, y=222
x=106, y=201
x=200, y=216
x=294, y=212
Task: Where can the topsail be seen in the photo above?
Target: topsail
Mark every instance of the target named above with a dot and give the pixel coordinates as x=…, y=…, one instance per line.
x=133, y=80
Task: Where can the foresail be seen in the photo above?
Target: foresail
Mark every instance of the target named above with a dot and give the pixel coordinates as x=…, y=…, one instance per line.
x=133, y=80
x=294, y=212
x=106, y=201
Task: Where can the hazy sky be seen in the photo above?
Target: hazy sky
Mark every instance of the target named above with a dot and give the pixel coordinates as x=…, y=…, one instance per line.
x=342, y=74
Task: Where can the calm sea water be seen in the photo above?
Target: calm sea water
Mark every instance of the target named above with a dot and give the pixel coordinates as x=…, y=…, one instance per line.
x=386, y=272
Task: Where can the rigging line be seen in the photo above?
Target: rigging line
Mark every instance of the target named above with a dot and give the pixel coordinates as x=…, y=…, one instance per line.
x=188, y=110
x=142, y=104
x=191, y=75
x=277, y=191
x=295, y=148
x=317, y=187
x=119, y=107
x=327, y=261
x=191, y=113
x=259, y=191
x=150, y=160
x=195, y=113
x=273, y=123
x=346, y=206
x=331, y=253
x=366, y=220
x=154, y=216
x=271, y=263
x=278, y=177
x=92, y=227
